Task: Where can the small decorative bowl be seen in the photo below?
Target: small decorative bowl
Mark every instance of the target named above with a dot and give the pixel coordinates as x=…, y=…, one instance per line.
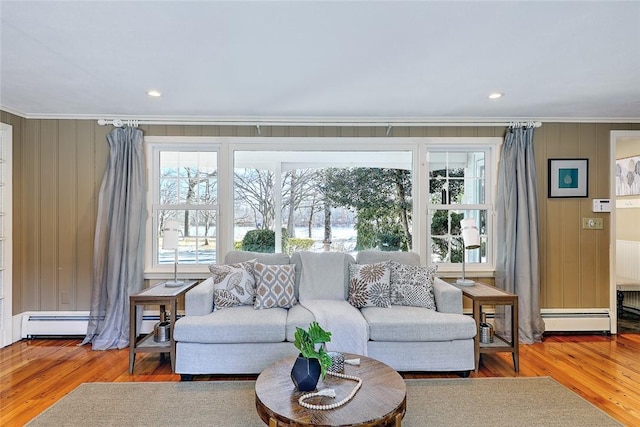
x=337, y=361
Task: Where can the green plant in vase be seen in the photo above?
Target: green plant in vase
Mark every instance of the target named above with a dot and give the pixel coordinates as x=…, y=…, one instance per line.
x=311, y=344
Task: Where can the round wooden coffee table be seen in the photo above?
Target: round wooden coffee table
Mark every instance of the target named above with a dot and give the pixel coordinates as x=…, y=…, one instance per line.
x=381, y=401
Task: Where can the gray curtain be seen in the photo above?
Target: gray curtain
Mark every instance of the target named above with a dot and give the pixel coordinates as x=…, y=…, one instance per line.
x=518, y=264
x=118, y=260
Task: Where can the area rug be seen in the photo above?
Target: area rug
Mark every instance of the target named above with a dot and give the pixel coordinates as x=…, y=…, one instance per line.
x=467, y=402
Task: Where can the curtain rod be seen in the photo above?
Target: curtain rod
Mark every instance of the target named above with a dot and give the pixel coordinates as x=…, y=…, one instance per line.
x=258, y=124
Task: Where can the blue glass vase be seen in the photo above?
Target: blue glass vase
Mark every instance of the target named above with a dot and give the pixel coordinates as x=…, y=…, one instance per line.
x=305, y=373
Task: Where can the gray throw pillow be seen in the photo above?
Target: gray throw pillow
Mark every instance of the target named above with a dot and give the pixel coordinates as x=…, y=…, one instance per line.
x=412, y=285
x=274, y=286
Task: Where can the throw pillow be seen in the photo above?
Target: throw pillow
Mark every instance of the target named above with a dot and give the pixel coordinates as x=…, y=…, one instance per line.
x=233, y=284
x=412, y=285
x=274, y=286
x=369, y=285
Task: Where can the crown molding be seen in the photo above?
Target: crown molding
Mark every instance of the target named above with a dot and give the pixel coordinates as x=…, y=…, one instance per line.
x=320, y=121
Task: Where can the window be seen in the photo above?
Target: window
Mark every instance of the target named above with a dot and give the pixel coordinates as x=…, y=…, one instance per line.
x=287, y=201
x=183, y=188
x=338, y=194
x=460, y=185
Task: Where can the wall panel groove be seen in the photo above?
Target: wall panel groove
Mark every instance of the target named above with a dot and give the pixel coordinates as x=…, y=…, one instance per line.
x=59, y=165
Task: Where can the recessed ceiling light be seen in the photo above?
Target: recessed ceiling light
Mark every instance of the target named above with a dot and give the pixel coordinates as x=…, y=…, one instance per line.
x=153, y=92
x=495, y=95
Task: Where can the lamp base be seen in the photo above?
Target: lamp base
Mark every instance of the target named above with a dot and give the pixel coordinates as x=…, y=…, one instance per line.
x=174, y=283
x=464, y=282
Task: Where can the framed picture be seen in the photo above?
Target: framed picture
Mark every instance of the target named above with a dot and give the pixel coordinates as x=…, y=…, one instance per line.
x=628, y=176
x=568, y=177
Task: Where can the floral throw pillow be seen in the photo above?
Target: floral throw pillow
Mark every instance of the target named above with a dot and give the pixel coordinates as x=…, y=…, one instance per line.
x=412, y=285
x=369, y=285
x=274, y=286
x=233, y=284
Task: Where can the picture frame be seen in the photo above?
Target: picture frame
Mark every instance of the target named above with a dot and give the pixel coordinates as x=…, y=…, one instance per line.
x=628, y=176
x=568, y=178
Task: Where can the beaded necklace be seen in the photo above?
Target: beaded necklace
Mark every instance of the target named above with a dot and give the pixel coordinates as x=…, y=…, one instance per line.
x=331, y=393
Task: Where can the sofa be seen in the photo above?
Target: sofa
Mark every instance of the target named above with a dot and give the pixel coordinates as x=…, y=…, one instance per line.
x=241, y=339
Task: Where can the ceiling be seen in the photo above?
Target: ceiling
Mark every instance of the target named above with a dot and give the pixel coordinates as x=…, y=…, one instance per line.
x=306, y=60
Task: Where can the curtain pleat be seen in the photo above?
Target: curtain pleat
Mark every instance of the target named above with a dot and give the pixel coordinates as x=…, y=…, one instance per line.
x=517, y=263
x=118, y=261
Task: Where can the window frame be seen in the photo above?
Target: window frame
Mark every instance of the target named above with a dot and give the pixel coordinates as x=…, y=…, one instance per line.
x=491, y=146
x=322, y=144
x=226, y=147
x=153, y=147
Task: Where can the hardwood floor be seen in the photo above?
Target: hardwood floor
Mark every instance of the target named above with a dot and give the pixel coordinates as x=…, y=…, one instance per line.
x=603, y=370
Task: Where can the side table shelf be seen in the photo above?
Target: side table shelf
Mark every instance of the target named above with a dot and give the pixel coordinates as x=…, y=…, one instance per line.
x=482, y=294
x=164, y=296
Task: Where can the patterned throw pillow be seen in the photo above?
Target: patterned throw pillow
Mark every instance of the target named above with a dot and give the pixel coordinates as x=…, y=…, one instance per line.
x=412, y=285
x=233, y=284
x=369, y=285
x=274, y=286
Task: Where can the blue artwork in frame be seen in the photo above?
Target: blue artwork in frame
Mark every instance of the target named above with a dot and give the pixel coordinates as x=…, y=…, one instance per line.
x=568, y=177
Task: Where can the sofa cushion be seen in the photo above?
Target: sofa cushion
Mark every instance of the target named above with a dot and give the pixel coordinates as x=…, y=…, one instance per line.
x=233, y=284
x=298, y=317
x=322, y=275
x=241, y=324
x=369, y=285
x=274, y=286
x=371, y=256
x=412, y=285
x=403, y=323
x=235, y=257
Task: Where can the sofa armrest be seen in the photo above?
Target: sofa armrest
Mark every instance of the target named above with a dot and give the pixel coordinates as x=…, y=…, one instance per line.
x=448, y=297
x=199, y=300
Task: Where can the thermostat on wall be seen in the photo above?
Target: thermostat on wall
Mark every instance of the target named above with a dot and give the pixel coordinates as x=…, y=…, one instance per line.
x=601, y=205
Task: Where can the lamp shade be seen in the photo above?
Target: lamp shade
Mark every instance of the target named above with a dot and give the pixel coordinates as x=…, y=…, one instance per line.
x=470, y=234
x=170, y=235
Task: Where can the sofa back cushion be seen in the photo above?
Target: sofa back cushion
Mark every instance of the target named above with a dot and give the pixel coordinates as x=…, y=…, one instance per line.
x=235, y=257
x=372, y=257
x=322, y=275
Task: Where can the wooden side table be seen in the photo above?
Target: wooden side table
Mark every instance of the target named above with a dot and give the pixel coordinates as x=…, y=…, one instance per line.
x=481, y=294
x=162, y=295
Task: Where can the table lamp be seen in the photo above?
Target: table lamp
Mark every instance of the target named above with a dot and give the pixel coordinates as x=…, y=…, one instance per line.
x=170, y=240
x=471, y=240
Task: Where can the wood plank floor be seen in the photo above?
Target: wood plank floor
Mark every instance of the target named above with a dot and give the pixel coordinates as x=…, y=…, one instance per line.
x=604, y=370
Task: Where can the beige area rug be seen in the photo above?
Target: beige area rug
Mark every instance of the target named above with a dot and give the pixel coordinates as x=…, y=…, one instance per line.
x=432, y=402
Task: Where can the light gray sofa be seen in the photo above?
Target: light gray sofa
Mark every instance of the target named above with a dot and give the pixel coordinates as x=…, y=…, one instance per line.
x=242, y=340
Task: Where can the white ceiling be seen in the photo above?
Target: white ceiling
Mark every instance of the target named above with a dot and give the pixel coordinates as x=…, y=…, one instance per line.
x=307, y=60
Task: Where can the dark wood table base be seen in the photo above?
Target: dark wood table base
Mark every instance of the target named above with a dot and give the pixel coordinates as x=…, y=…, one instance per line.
x=381, y=401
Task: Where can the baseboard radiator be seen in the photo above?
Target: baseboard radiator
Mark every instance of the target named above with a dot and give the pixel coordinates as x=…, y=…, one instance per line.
x=40, y=324
x=74, y=323
x=582, y=320
x=628, y=267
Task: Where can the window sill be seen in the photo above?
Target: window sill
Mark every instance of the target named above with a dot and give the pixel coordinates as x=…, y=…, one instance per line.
x=456, y=274
x=185, y=275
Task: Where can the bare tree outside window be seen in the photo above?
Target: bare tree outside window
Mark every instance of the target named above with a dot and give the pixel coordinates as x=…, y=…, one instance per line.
x=337, y=208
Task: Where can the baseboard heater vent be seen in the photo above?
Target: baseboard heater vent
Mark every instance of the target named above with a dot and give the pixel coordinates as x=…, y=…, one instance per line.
x=66, y=324
x=585, y=320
